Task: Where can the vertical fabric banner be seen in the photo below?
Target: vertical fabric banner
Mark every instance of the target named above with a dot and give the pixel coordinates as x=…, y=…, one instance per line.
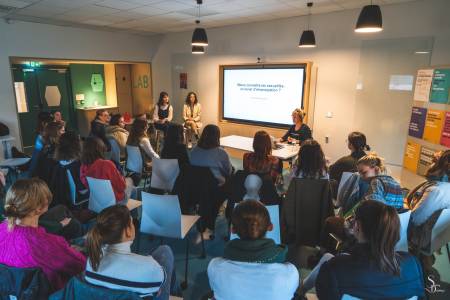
x=183, y=80
x=417, y=122
x=425, y=160
x=445, y=138
x=433, y=126
x=440, y=86
x=411, y=157
x=422, y=89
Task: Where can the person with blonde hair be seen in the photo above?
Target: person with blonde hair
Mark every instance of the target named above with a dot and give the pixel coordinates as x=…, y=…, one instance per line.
x=298, y=132
x=25, y=244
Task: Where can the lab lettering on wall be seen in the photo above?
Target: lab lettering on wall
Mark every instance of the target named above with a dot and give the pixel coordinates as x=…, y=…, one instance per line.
x=141, y=82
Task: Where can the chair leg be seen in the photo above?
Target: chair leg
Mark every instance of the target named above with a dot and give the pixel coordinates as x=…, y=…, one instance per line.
x=184, y=284
x=448, y=252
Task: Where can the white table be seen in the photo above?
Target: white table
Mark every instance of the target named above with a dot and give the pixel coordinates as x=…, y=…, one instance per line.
x=6, y=143
x=288, y=152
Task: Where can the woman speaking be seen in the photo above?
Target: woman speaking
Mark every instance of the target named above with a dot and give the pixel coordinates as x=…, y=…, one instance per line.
x=298, y=132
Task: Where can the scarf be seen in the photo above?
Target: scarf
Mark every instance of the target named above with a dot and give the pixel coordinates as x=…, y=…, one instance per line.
x=255, y=251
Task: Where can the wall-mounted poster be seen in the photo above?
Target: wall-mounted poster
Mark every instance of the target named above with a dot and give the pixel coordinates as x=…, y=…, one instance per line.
x=183, y=80
x=425, y=160
x=445, y=138
x=423, y=85
x=440, y=86
x=411, y=156
x=433, y=126
x=417, y=122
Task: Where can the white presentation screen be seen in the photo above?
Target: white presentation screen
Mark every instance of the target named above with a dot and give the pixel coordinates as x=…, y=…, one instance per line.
x=262, y=95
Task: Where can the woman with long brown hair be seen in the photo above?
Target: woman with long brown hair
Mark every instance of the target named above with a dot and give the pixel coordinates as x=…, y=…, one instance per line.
x=138, y=138
x=192, y=111
x=371, y=269
x=311, y=161
x=111, y=263
x=261, y=160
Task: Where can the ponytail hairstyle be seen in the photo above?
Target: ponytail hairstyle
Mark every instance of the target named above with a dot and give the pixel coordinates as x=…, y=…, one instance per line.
x=358, y=141
x=24, y=197
x=441, y=167
x=109, y=228
x=250, y=220
x=311, y=160
x=380, y=226
x=374, y=161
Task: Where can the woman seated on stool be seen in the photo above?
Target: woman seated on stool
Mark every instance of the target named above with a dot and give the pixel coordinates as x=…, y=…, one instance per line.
x=111, y=263
x=25, y=244
x=192, y=111
x=94, y=164
x=261, y=160
x=371, y=269
x=252, y=267
x=298, y=132
x=163, y=112
x=310, y=162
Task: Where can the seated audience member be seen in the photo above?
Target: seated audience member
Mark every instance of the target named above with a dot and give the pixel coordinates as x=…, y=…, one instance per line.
x=138, y=138
x=46, y=158
x=253, y=267
x=142, y=116
x=192, y=111
x=67, y=154
x=174, y=146
x=356, y=143
x=116, y=131
x=427, y=201
x=208, y=153
x=371, y=269
x=163, y=112
x=98, y=126
x=93, y=164
x=298, y=132
x=24, y=244
x=111, y=263
x=57, y=117
x=372, y=184
x=261, y=160
x=310, y=162
x=44, y=118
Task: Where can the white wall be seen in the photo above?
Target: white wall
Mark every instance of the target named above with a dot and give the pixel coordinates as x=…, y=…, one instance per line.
x=337, y=58
x=47, y=41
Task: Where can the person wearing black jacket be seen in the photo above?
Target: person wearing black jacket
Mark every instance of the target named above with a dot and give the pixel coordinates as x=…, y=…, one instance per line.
x=98, y=126
x=174, y=146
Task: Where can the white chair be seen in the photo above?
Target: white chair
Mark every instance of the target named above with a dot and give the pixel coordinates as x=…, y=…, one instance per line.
x=161, y=216
x=274, y=213
x=440, y=234
x=134, y=159
x=73, y=190
x=115, y=151
x=164, y=173
x=402, y=244
x=101, y=195
x=348, y=297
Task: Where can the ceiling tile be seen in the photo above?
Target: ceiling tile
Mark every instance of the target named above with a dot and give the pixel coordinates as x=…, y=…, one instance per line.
x=118, y=4
x=14, y=3
x=149, y=11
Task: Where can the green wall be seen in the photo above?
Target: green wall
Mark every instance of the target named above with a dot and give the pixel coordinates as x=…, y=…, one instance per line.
x=81, y=77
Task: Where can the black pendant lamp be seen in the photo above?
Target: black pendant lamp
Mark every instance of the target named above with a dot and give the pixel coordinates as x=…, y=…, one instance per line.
x=198, y=50
x=370, y=19
x=308, y=39
x=199, y=37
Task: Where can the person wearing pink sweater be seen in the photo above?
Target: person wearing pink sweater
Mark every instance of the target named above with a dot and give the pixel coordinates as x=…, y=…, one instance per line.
x=24, y=244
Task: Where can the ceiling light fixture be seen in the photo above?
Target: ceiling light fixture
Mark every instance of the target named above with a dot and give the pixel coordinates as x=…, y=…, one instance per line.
x=198, y=50
x=370, y=19
x=199, y=37
x=308, y=39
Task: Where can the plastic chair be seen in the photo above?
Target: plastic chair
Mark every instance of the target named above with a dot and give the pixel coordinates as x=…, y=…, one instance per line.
x=102, y=195
x=164, y=174
x=135, y=163
x=274, y=213
x=402, y=244
x=440, y=234
x=115, y=151
x=73, y=190
x=161, y=216
x=348, y=297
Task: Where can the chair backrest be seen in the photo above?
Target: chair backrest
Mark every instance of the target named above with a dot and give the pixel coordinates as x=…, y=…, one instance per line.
x=344, y=178
x=402, y=244
x=72, y=188
x=161, y=215
x=101, y=194
x=275, y=234
x=440, y=234
x=348, y=297
x=23, y=283
x=164, y=173
x=134, y=159
x=306, y=206
x=115, y=150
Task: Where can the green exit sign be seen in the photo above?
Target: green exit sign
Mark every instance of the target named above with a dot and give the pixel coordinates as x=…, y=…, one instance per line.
x=33, y=64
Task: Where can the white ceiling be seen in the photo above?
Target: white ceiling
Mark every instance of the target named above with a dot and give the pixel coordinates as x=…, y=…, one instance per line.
x=150, y=17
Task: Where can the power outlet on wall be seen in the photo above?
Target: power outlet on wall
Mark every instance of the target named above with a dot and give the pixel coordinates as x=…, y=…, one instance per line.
x=327, y=139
